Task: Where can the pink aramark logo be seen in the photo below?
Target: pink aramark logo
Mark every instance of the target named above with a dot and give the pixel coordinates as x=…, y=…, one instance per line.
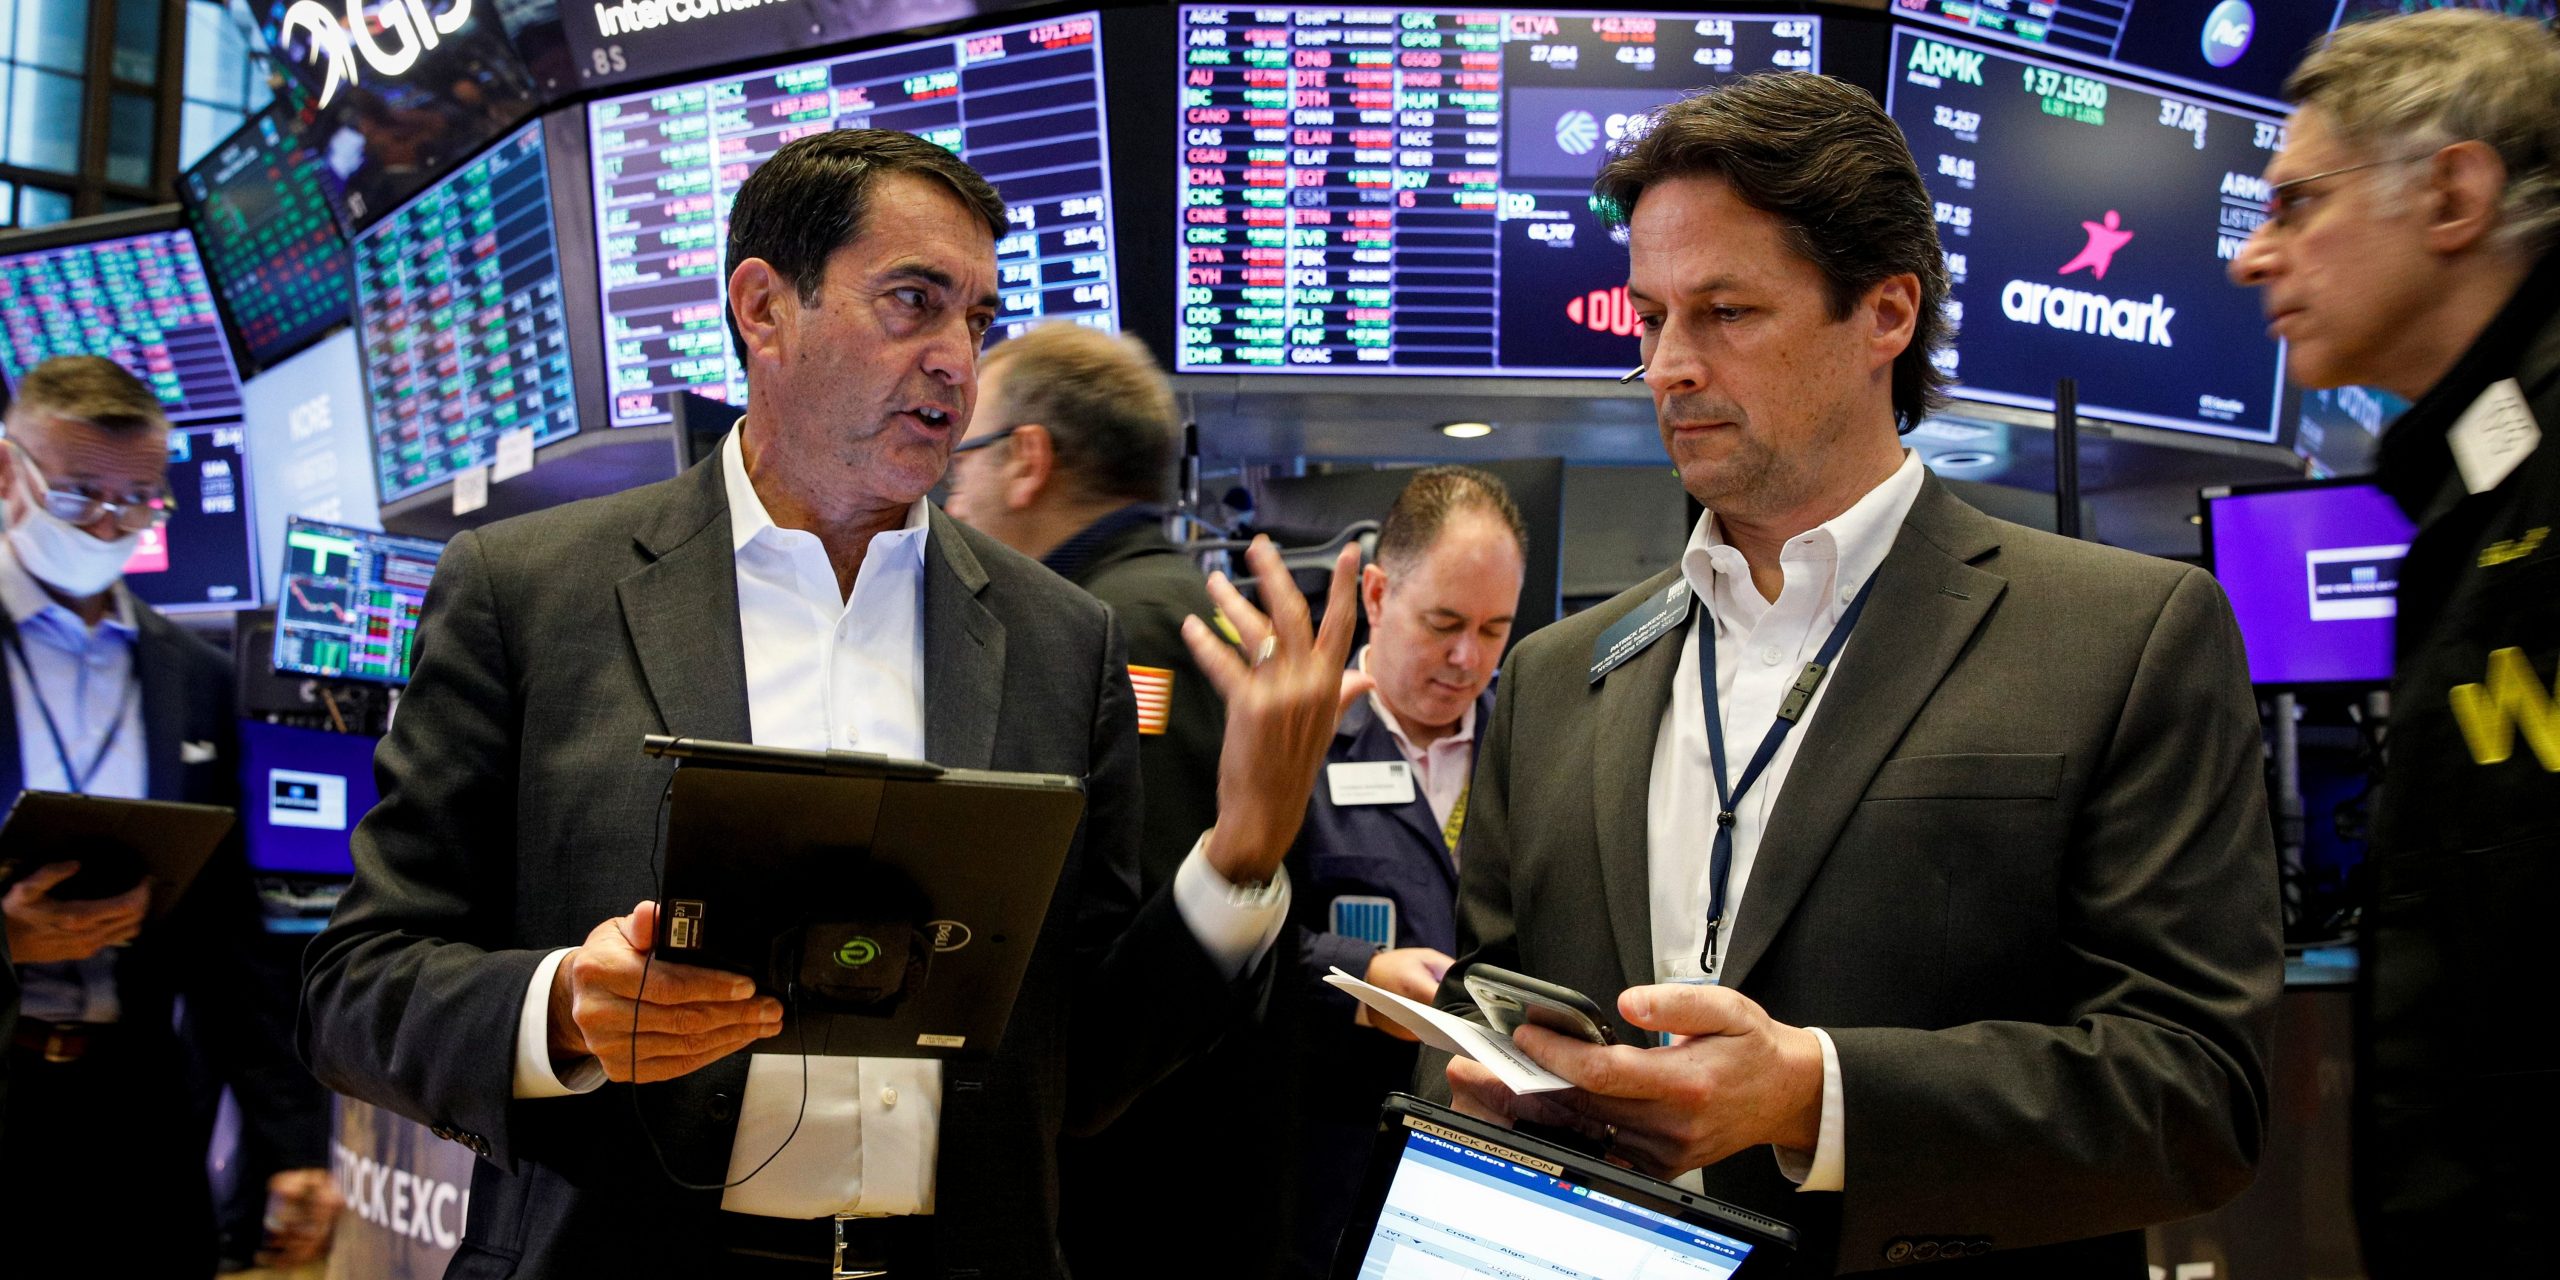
x=2104, y=239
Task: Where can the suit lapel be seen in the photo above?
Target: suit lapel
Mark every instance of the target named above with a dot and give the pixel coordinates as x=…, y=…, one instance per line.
x=1626, y=718
x=696, y=669
x=1929, y=599
x=164, y=705
x=963, y=652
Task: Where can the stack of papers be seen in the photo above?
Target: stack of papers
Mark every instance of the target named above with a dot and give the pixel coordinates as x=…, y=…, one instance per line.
x=1452, y=1034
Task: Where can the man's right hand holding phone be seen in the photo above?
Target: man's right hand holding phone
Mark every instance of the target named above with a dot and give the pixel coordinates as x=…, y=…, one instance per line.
x=688, y=1016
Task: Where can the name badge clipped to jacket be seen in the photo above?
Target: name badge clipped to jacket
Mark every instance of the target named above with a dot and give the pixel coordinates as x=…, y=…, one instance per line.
x=1369, y=782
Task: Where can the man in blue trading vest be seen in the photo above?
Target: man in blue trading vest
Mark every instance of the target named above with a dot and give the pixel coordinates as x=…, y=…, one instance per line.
x=1376, y=864
x=106, y=697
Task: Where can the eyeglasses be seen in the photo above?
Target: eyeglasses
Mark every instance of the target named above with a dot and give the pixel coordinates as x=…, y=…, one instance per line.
x=2286, y=201
x=81, y=507
x=983, y=441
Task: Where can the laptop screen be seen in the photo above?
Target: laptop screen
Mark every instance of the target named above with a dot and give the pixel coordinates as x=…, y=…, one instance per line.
x=1461, y=1210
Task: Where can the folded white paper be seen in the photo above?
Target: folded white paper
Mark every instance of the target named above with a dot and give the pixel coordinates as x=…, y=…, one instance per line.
x=1452, y=1034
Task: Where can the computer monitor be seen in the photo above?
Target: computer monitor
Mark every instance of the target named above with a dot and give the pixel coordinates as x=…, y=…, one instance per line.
x=132, y=289
x=2313, y=572
x=347, y=608
x=302, y=792
x=1370, y=191
x=261, y=212
x=1022, y=103
x=310, y=450
x=2088, y=225
x=465, y=329
x=2228, y=47
x=205, y=558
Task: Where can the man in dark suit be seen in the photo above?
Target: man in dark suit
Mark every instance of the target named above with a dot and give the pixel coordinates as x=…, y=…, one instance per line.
x=1924, y=858
x=2409, y=246
x=1376, y=865
x=106, y=697
x=1069, y=459
x=793, y=590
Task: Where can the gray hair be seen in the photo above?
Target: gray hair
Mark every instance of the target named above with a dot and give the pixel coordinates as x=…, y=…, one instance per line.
x=1104, y=401
x=2420, y=81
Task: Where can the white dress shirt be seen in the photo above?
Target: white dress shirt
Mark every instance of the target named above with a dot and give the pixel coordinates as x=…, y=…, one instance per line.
x=831, y=670
x=1761, y=647
x=87, y=680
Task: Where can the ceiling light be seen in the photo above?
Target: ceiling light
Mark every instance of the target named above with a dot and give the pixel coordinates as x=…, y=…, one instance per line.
x=1466, y=430
x=1964, y=460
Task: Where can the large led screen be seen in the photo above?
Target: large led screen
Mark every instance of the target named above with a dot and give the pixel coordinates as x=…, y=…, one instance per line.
x=310, y=452
x=465, y=333
x=142, y=301
x=1409, y=191
x=1022, y=103
x=205, y=556
x=2240, y=48
x=271, y=245
x=2087, y=224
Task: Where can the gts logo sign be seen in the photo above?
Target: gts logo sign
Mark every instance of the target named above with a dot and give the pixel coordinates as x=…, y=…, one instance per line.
x=1930, y=58
x=2512, y=698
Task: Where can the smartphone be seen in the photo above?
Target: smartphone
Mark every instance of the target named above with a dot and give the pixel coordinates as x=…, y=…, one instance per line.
x=1510, y=999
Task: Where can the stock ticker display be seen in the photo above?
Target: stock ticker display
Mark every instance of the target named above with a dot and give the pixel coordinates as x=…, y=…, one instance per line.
x=465, y=333
x=347, y=608
x=271, y=245
x=2231, y=46
x=2087, y=224
x=1021, y=103
x=1408, y=191
x=205, y=556
x=141, y=301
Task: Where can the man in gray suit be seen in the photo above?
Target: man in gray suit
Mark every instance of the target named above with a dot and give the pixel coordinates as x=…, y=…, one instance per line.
x=1924, y=856
x=794, y=590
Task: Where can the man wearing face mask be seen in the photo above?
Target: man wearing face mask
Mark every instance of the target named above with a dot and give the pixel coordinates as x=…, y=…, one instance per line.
x=1377, y=861
x=106, y=697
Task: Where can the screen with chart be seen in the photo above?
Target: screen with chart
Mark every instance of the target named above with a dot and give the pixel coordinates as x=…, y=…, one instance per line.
x=1021, y=103
x=270, y=243
x=1409, y=191
x=142, y=301
x=205, y=556
x=2087, y=224
x=347, y=608
x=2240, y=48
x=465, y=332
x=2313, y=573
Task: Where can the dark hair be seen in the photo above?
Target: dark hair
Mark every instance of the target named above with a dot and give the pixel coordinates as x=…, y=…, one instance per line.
x=1433, y=496
x=811, y=197
x=1103, y=400
x=90, y=389
x=1823, y=159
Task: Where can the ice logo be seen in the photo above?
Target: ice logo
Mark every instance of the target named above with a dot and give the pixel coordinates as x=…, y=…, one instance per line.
x=2227, y=30
x=413, y=30
x=1577, y=133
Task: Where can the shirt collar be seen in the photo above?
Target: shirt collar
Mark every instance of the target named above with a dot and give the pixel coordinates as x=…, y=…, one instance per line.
x=27, y=601
x=1856, y=541
x=749, y=521
x=1465, y=732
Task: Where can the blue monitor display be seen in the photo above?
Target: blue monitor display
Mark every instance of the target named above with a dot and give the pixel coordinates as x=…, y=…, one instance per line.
x=1021, y=103
x=2238, y=48
x=142, y=301
x=2313, y=572
x=310, y=451
x=348, y=606
x=2087, y=224
x=1457, y=1210
x=302, y=791
x=1409, y=191
x=465, y=333
x=205, y=557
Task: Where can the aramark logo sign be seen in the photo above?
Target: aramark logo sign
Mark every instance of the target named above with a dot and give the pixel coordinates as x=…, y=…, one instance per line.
x=412, y=27
x=2124, y=319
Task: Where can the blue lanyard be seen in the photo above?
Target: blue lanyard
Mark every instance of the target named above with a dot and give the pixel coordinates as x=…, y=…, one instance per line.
x=75, y=778
x=1808, y=682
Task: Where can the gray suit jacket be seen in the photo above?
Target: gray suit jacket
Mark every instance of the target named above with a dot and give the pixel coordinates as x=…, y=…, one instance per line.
x=2021, y=872
x=517, y=812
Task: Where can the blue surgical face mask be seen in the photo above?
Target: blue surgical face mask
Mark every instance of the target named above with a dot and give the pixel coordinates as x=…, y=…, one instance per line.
x=58, y=553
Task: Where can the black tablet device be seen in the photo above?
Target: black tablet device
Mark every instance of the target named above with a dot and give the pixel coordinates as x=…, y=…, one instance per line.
x=891, y=905
x=1449, y=1195
x=118, y=843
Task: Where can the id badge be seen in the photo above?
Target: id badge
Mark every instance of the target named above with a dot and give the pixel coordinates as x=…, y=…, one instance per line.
x=1370, y=919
